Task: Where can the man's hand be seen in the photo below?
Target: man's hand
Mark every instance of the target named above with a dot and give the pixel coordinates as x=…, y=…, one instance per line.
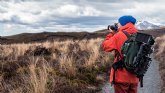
x=110, y=30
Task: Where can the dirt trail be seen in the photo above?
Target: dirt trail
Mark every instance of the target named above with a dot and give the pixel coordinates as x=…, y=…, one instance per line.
x=151, y=81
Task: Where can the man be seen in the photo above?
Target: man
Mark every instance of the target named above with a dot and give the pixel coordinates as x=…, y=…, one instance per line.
x=125, y=82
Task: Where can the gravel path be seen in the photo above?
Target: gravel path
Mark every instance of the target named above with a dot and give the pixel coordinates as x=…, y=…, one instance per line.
x=151, y=82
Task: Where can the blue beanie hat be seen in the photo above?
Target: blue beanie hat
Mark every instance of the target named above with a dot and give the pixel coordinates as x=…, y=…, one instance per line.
x=126, y=19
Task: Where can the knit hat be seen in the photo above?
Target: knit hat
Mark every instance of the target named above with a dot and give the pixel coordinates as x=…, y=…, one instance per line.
x=126, y=19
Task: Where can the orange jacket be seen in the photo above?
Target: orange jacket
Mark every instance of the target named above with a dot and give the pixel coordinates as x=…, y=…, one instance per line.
x=115, y=41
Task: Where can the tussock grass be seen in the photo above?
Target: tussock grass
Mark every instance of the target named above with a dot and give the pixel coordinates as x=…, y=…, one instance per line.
x=53, y=67
x=160, y=56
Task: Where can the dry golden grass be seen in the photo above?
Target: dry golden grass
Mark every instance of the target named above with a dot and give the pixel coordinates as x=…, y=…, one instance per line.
x=160, y=56
x=53, y=67
x=67, y=65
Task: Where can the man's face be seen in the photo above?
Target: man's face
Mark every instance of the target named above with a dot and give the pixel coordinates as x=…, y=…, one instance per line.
x=119, y=25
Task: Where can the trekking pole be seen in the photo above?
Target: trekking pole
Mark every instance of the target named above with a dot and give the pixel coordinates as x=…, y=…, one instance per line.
x=141, y=81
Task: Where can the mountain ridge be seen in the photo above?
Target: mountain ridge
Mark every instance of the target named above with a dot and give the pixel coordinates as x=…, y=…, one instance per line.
x=61, y=36
x=144, y=25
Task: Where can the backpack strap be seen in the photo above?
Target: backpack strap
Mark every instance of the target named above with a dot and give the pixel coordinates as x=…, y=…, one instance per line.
x=117, y=55
x=119, y=64
x=126, y=33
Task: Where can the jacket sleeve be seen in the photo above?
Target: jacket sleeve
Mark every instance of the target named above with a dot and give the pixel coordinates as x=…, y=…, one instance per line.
x=109, y=43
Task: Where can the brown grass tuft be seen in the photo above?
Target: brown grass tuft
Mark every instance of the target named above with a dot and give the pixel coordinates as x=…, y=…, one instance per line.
x=53, y=67
x=160, y=56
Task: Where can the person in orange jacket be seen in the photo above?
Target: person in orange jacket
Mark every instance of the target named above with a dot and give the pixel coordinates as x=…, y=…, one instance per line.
x=125, y=82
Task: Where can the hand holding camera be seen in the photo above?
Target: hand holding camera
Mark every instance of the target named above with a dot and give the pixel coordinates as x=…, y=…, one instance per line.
x=113, y=28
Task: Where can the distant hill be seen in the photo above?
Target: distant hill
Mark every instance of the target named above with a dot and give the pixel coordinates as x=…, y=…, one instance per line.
x=155, y=32
x=50, y=36
x=61, y=36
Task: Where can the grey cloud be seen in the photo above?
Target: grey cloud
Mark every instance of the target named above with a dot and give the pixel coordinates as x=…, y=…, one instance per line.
x=85, y=20
x=121, y=1
x=14, y=20
x=3, y=11
x=111, y=10
x=18, y=1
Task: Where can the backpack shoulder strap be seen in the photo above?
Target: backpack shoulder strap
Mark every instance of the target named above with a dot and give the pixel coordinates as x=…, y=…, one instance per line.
x=126, y=33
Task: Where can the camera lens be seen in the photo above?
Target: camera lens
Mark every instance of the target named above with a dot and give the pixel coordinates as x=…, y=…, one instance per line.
x=113, y=27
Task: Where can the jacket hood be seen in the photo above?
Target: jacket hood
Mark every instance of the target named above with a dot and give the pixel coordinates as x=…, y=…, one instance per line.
x=129, y=27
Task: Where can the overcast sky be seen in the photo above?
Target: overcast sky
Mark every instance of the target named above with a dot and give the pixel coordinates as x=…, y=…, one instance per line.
x=31, y=16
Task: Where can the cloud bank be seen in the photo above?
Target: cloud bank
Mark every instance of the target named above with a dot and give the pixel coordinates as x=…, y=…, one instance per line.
x=20, y=16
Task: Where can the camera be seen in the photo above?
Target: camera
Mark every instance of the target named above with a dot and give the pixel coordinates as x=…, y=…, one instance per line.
x=113, y=27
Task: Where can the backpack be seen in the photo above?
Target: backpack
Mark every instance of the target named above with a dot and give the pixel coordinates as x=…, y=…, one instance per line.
x=136, y=52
